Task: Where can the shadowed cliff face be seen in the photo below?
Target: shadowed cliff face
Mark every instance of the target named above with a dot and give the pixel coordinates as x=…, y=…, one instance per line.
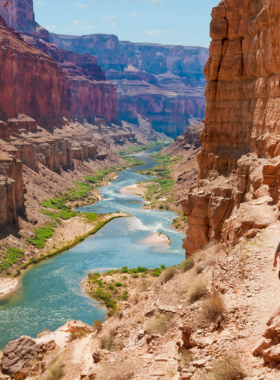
x=162, y=83
x=239, y=161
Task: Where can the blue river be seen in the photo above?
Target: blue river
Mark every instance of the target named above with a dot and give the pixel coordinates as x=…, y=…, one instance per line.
x=51, y=291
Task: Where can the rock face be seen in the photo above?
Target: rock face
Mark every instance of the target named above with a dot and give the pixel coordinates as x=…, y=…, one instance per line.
x=25, y=70
x=74, y=87
x=239, y=157
x=162, y=83
x=11, y=189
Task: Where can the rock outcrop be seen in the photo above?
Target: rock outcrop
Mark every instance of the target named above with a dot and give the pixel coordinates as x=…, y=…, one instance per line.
x=74, y=87
x=163, y=84
x=239, y=156
x=11, y=189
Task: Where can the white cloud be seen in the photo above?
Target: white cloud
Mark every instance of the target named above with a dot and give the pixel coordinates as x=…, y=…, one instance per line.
x=155, y=33
x=82, y=25
x=80, y=5
x=40, y=3
x=108, y=18
x=51, y=27
x=134, y=15
x=113, y=25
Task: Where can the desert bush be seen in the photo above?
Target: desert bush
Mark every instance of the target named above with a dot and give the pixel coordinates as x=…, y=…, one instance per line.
x=187, y=264
x=78, y=334
x=97, y=325
x=168, y=274
x=119, y=370
x=197, y=290
x=158, y=324
x=111, y=342
x=199, y=269
x=227, y=367
x=213, y=307
x=54, y=368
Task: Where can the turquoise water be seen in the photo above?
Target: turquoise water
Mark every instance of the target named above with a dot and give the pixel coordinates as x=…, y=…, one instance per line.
x=51, y=291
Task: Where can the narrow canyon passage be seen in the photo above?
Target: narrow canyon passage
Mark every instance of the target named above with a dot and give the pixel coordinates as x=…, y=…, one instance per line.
x=51, y=292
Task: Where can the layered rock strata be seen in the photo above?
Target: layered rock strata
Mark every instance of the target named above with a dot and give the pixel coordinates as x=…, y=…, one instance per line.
x=240, y=142
x=163, y=84
x=74, y=87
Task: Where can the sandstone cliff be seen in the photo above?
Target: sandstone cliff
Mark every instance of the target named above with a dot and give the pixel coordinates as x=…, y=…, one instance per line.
x=239, y=157
x=162, y=83
x=78, y=84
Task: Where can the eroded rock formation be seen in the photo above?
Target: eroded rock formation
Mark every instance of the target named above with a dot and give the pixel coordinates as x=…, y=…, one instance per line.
x=239, y=157
x=163, y=84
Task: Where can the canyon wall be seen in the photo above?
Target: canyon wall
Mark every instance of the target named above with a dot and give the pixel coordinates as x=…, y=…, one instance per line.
x=238, y=190
x=164, y=84
x=82, y=90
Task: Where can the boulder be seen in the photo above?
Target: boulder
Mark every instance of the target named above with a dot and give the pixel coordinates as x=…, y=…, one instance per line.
x=18, y=356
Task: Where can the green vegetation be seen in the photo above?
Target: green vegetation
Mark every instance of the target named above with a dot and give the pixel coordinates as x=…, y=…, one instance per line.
x=132, y=161
x=111, y=293
x=144, y=148
x=91, y=216
x=66, y=247
x=163, y=183
x=99, y=176
x=42, y=235
x=12, y=256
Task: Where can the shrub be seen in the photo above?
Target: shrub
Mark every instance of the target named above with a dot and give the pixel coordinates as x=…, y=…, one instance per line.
x=78, y=334
x=213, y=307
x=12, y=256
x=106, y=342
x=42, y=235
x=187, y=264
x=125, y=296
x=118, y=284
x=97, y=325
x=228, y=367
x=168, y=274
x=199, y=269
x=156, y=272
x=55, y=368
x=197, y=290
x=111, y=343
x=158, y=324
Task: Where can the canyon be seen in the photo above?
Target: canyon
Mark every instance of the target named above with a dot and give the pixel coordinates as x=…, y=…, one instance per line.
x=161, y=83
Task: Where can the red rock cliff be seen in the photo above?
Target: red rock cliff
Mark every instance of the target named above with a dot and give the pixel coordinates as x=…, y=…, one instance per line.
x=240, y=144
x=31, y=82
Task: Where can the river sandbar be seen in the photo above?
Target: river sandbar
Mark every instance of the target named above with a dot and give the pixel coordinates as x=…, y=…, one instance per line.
x=157, y=239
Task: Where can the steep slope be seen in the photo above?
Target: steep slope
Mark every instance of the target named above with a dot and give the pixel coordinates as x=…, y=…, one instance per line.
x=162, y=83
x=239, y=157
x=87, y=93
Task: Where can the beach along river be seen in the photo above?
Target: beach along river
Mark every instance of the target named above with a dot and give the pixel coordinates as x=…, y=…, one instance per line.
x=51, y=291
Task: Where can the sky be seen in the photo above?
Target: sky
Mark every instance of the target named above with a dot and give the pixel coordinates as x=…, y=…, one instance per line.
x=172, y=22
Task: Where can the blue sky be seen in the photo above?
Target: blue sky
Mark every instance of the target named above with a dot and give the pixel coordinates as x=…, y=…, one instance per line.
x=174, y=22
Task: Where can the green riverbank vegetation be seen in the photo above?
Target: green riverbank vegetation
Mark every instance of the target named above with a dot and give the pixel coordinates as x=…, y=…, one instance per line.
x=159, y=194
x=114, y=288
x=145, y=148
x=59, y=208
